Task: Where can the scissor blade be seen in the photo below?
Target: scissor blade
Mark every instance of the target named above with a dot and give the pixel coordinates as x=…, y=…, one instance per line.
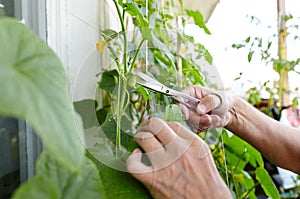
x=155, y=87
x=146, y=78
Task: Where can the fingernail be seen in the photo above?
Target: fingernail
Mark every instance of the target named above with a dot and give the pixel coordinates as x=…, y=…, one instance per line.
x=201, y=108
x=137, y=150
x=205, y=121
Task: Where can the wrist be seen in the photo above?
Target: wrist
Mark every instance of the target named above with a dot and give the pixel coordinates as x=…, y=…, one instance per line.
x=233, y=113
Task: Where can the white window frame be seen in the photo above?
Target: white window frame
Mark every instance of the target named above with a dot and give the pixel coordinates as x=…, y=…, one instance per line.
x=33, y=14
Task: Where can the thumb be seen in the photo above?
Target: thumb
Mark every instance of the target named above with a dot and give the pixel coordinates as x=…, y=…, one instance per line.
x=209, y=103
x=137, y=168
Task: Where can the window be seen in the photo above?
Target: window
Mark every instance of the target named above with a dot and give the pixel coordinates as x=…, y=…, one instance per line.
x=72, y=32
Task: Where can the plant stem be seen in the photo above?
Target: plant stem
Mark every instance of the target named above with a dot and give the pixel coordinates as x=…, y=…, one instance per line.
x=121, y=103
x=245, y=195
x=136, y=55
x=115, y=57
x=124, y=36
x=122, y=80
x=282, y=54
x=179, y=61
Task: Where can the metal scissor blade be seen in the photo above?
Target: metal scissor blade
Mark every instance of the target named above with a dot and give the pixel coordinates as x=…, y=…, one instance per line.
x=157, y=87
x=146, y=78
x=154, y=85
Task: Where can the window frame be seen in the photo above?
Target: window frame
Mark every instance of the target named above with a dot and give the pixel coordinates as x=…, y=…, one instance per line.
x=33, y=15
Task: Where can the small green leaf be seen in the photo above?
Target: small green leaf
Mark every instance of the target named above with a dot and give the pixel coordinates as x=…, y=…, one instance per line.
x=87, y=110
x=204, y=52
x=145, y=93
x=248, y=39
x=109, y=80
x=109, y=34
x=160, y=57
x=238, y=46
x=34, y=87
x=198, y=19
x=295, y=103
x=266, y=182
x=250, y=55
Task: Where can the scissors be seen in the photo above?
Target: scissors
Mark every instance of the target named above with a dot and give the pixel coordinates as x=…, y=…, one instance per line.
x=155, y=85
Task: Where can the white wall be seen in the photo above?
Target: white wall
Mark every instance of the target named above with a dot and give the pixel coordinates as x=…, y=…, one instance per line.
x=73, y=31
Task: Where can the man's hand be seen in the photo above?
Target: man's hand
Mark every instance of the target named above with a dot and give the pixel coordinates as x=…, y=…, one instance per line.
x=181, y=163
x=211, y=112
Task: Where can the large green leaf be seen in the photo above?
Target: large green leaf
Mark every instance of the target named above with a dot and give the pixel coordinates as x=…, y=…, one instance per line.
x=109, y=80
x=173, y=114
x=87, y=110
x=266, y=182
x=247, y=182
x=109, y=128
x=33, y=87
x=118, y=184
x=53, y=180
x=38, y=187
x=243, y=152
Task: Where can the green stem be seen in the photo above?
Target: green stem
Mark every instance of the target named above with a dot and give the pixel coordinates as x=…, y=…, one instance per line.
x=236, y=188
x=121, y=104
x=122, y=80
x=245, y=195
x=115, y=57
x=239, y=161
x=136, y=55
x=124, y=35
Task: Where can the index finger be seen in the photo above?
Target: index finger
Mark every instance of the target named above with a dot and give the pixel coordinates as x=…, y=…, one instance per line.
x=196, y=91
x=160, y=129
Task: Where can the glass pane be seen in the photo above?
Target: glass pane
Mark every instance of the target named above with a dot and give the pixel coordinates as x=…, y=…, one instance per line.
x=7, y=8
x=9, y=156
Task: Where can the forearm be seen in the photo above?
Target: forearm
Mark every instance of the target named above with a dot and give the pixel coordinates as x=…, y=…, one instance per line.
x=278, y=142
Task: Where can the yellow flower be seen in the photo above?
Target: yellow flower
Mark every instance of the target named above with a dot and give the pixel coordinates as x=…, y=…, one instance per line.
x=221, y=157
x=239, y=176
x=212, y=146
x=100, y=46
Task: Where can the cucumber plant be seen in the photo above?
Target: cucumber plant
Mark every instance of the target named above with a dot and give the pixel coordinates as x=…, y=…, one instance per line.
x=70, y=169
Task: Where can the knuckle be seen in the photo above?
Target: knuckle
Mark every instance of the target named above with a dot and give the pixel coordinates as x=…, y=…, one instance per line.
x=175, y=125
x=155, y=123
x=140, y=136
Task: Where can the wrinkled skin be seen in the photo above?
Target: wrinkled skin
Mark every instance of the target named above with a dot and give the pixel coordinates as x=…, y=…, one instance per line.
x=181, y=163
x=211, y=112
